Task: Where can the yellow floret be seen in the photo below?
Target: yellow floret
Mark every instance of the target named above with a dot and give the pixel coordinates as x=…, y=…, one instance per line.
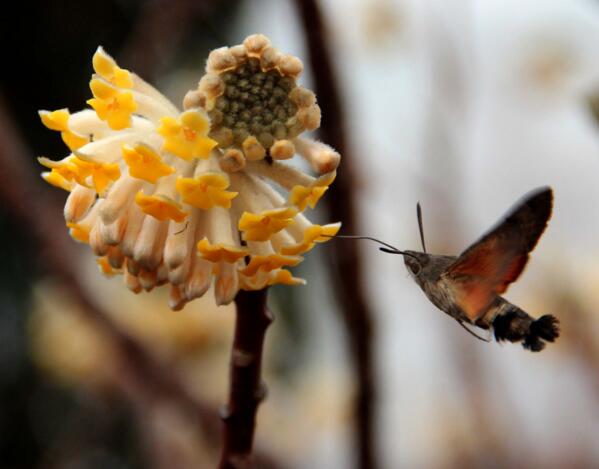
x=260, y=227
x=302, y=196
x=269, y=263
x=73, y=141
x=67, y=169
x=262, y=279
x=111, y=105
x=312, y=234
x=102, y=174
x=206, y=191
x=78, y=232
x=59, y=121
x=144, y=163
x=219, y=252
x=54, y=178
x=105, y=267
x=285, y=277
x=107, y=68
x=186, y=136
x=55, y=120
x=160, y=207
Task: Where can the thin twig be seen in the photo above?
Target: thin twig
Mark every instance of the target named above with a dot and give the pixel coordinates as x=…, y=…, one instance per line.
x=246, y=389
x=347, y=263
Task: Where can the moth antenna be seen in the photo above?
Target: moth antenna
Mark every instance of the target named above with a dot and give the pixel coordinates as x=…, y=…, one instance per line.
x=419, y=216
x=472, y=332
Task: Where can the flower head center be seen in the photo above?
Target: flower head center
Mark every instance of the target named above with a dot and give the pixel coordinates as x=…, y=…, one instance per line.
x=255, y=102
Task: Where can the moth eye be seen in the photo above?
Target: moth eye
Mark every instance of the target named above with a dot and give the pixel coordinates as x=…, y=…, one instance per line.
x=415, y=268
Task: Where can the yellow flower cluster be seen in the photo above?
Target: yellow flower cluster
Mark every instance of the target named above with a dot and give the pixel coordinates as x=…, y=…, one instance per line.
x=195, y=198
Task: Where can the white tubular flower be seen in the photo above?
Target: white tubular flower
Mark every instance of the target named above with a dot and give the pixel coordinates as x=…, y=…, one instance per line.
x=185, y=198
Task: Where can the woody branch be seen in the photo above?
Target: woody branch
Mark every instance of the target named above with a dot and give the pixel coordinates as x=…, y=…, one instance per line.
x=246, y=387
x=347, y=262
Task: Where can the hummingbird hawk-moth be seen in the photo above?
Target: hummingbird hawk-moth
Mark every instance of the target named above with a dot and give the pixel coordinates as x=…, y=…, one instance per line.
x=468, y=287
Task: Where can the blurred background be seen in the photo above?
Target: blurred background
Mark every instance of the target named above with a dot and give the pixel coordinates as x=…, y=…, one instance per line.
x=461, y=105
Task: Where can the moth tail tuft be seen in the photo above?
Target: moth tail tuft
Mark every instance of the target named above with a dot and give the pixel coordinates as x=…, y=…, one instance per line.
x=546, y=327
x=517, y=326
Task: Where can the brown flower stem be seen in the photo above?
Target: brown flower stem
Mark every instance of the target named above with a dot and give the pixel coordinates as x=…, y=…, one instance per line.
x=346, y=263
x=246, y=389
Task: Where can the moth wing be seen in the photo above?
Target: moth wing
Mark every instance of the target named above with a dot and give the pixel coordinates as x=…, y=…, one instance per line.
x=488, y=266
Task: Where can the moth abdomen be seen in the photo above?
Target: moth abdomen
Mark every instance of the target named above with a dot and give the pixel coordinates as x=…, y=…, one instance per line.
x=515, y=325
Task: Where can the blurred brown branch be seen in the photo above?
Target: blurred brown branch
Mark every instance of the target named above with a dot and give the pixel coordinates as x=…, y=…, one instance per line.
x=157, y=32
x=441, y=151
x=142, y=379
x=246, y=388
x=347, y=263
x=160, y=28
x=594, y=106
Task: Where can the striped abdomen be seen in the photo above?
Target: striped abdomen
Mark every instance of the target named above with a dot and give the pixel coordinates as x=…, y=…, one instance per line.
x=512, y=323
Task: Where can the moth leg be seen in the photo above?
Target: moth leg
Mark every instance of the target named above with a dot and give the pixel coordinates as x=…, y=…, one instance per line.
x=472, y=332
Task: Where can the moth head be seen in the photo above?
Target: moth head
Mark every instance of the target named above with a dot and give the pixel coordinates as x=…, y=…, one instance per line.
x=415, y=262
